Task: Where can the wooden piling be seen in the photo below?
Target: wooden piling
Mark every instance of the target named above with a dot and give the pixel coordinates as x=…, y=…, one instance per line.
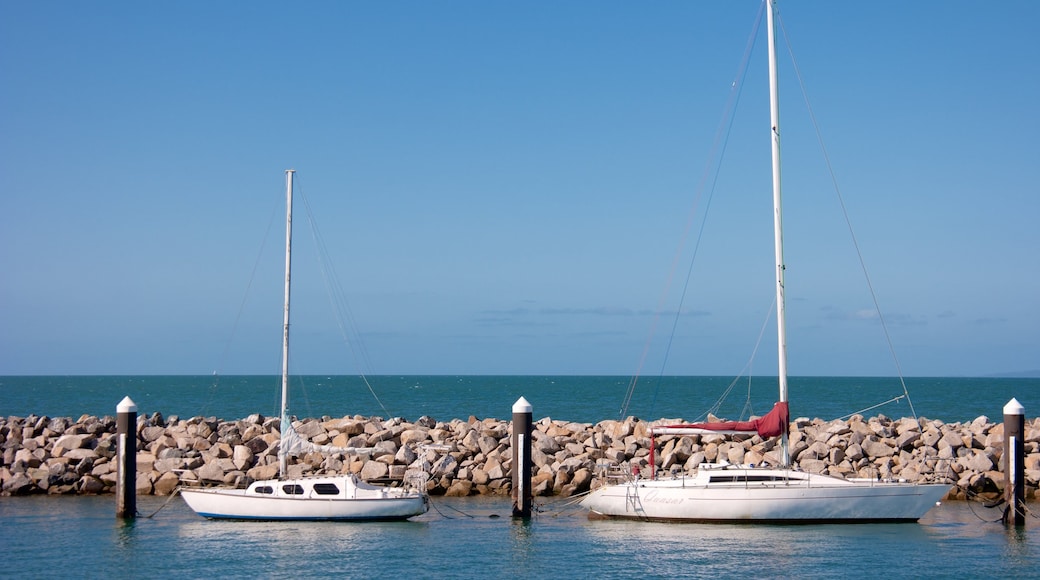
x=1014, y=459
x=521, y=443
x=126, y=459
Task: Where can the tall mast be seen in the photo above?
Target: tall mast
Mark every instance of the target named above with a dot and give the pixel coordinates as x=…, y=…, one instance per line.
x=778, y=228
x=282, y=455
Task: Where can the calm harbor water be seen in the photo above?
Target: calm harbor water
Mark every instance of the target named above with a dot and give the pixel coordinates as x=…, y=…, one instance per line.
x=475, y=537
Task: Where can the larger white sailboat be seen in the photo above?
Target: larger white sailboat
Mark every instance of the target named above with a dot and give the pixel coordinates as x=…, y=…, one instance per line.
x=777, y=493
x=337, y=497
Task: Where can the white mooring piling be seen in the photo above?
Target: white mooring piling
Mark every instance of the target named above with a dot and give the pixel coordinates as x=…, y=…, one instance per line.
x=1014, y=458
x=126, y=459
x=522, y=458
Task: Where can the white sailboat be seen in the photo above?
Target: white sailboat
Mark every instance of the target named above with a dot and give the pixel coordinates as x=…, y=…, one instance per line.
x=757, y=493
x=336, y=497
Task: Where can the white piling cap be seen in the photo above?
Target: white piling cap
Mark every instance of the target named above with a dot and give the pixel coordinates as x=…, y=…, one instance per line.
x=522, y=406
x=1013, y=407
x=126, y=406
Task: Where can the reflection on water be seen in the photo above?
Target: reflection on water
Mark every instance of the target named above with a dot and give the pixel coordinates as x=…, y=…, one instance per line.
x=125, y=533
x=475, y=537
x=291, y=548
x=521, y=540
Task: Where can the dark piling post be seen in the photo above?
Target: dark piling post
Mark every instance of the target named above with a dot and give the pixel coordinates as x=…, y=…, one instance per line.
x=1014, y=458
x=522, y=458
x=126, y=459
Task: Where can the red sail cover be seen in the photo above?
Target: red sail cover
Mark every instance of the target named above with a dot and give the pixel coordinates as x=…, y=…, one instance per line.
x=771, y=424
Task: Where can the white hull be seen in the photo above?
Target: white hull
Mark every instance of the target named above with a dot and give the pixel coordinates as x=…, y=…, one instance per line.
x=316, y=498
x=743, y=494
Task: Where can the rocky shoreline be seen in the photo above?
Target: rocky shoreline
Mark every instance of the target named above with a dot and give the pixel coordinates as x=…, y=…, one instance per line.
x=470, y=457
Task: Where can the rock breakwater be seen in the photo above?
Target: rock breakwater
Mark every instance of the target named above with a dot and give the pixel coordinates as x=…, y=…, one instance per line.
x=468, y=457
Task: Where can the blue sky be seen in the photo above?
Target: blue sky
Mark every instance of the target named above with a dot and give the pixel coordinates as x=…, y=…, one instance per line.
x=504, y=187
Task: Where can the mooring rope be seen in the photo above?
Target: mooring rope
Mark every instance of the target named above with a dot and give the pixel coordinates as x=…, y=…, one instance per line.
x=175, y=493
x=973, y=497
x=566, y=505
x=446, y=516
x=1030, y=512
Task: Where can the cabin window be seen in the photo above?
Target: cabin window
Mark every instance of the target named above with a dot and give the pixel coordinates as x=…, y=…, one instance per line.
x=293, y=489
x=744, y=478
x=326, y=489
x=265, y=489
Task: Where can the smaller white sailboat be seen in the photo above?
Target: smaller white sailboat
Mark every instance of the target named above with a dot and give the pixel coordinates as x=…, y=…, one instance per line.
x=334, y=497
x=777, y=493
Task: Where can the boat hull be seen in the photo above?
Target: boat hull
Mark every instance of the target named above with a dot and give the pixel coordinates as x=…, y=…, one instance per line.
x=307, y=499
x=802, y=498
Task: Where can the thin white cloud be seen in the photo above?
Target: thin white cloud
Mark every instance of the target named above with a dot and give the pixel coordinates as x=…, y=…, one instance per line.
x=491, y=315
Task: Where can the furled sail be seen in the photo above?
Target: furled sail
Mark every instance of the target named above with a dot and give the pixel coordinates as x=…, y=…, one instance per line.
x=293, y=444
x=773, y=423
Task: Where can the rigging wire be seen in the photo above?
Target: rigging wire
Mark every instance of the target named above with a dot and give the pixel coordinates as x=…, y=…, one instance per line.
x=872, y=407
x=722, y=137
x=712, y=169
x=845, y=213
x=714, y=409
x=338, y=302
x=222, y=361
x=249, y=287
x=334, y=290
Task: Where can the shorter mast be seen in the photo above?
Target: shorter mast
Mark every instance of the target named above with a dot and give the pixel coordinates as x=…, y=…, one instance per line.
x=778, y=228
x=285, y=424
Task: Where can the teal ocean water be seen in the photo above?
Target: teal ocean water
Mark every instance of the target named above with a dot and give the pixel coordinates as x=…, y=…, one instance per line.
x=587, y=399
